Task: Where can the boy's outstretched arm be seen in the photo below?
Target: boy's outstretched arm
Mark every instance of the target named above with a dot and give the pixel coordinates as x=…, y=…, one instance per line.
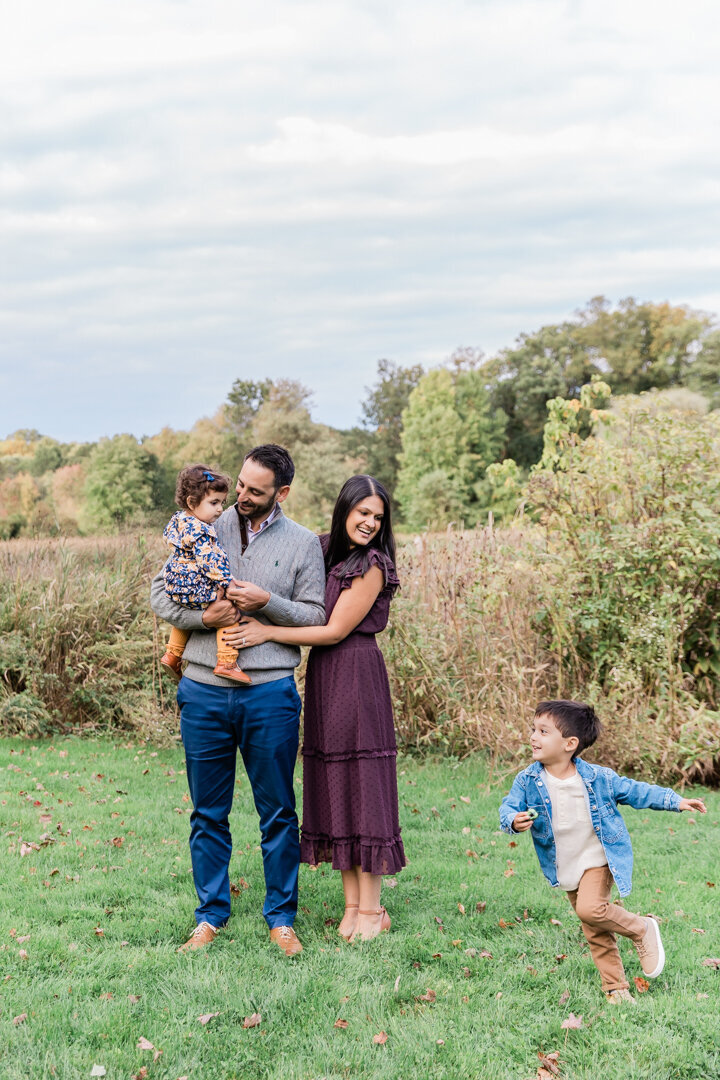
x=643, y=796
x=693, y=804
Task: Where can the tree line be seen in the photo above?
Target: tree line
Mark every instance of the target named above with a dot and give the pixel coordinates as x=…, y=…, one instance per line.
x=450, y=443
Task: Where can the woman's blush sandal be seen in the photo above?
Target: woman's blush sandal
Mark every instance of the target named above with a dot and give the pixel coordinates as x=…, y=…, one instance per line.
x=348, y=907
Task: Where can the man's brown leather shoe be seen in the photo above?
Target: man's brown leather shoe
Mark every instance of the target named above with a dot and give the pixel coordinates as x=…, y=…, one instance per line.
x=286, y=939
x=203, y=934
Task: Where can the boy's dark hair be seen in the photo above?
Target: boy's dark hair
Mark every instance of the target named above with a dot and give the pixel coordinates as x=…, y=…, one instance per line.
x=573, y=718
x=275, y=458
x=195, y=481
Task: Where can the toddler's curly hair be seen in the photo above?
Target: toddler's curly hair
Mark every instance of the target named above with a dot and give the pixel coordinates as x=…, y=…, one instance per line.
x=195, y=481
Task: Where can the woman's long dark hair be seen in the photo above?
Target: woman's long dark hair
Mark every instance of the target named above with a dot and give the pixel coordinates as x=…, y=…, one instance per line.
x=338, y=548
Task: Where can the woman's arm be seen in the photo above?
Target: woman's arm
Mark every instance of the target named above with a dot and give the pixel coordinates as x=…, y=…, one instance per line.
x=352, y=607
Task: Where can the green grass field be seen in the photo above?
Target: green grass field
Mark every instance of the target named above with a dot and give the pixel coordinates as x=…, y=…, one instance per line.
x=92, y=917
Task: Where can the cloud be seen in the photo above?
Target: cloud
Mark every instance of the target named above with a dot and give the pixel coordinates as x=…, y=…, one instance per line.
x=196, y=192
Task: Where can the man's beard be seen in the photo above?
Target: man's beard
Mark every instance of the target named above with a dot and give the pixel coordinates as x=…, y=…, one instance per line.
x=259, y=511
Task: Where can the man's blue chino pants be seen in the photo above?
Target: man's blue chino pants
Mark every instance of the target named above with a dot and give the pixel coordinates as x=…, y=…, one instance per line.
x=261, y=721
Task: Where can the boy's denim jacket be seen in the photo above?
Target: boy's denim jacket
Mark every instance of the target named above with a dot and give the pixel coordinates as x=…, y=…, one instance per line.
x=604, y=789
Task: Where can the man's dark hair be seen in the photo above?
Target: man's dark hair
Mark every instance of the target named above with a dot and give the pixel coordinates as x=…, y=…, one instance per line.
x=276, y=458
x=573, y=718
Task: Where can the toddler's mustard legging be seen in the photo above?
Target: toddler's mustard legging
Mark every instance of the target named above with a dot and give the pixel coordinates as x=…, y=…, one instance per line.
x=178, y=640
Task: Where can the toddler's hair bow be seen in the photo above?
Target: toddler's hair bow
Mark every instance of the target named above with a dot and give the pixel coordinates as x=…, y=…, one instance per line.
x=208, y=476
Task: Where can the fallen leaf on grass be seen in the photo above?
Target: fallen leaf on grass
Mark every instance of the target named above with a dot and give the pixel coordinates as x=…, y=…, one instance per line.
x=141, y=1074
x=480, y=906
x=144, y=1044
x=397, y=985
x=340, y=1024
x=390, y=883
x=133, y=998
x=99, y=932
x=485, y=954
x=23, y=954
x=461, y=909
x=429, y=995
x=505, y=925
x=20, y=1019
x=207, y=1017
x=555, y=922
x=712, y=961
x=565, y=996
x=465, y=799
x=118, y=841
x=710, y=884
x=157, y=1055
x=697, y=930
x=106, y=996
x=641, y=985
x=572, y=1021
x=380, y=1038
x=98, y=1070
x=252, y=1021
x=550, y=1062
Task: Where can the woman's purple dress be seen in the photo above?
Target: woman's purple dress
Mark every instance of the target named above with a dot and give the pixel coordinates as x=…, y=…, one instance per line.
x=350, y=800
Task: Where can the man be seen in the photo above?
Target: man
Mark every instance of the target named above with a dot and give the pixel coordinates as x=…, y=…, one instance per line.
x=280, y=577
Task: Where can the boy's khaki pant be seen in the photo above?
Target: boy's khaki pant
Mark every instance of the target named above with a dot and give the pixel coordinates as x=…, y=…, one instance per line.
x=601, y=921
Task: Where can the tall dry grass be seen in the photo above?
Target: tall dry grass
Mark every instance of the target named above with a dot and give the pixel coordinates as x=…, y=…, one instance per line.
x=473, y=644
x=466, y=659
x=77, y=639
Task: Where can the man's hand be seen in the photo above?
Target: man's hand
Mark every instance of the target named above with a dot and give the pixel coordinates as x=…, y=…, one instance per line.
x=219, y=613
x=693, y=804
x=522, y=821
x=247, y=596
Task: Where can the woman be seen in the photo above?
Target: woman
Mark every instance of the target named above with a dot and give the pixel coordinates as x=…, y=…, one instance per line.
x=350, y=803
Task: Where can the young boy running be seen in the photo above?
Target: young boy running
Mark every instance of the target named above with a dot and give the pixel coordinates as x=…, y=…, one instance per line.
x=581, y=839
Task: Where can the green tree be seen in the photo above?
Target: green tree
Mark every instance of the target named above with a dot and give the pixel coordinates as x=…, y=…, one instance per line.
x=382, y=419
x=635, y=347
x=642, y=345
x=552, y=362
x=704, y=373
x=450, y=436
x=48, y=456
x=243, y=403
x=122, y=478
x=321, y=462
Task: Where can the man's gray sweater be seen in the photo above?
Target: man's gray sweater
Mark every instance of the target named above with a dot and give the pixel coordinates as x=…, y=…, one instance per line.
x=286, y=560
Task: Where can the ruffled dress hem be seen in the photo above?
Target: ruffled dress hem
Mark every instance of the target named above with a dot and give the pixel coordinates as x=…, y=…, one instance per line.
x=373, y=856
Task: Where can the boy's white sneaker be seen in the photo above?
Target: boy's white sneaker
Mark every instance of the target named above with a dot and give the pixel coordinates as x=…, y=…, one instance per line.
x=617, y=997
x=650, y=949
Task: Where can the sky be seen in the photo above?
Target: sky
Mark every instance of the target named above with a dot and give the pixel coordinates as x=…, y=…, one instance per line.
x=195, y=191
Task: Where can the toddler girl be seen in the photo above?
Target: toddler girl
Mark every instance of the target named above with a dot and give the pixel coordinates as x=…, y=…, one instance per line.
x=198, y=569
